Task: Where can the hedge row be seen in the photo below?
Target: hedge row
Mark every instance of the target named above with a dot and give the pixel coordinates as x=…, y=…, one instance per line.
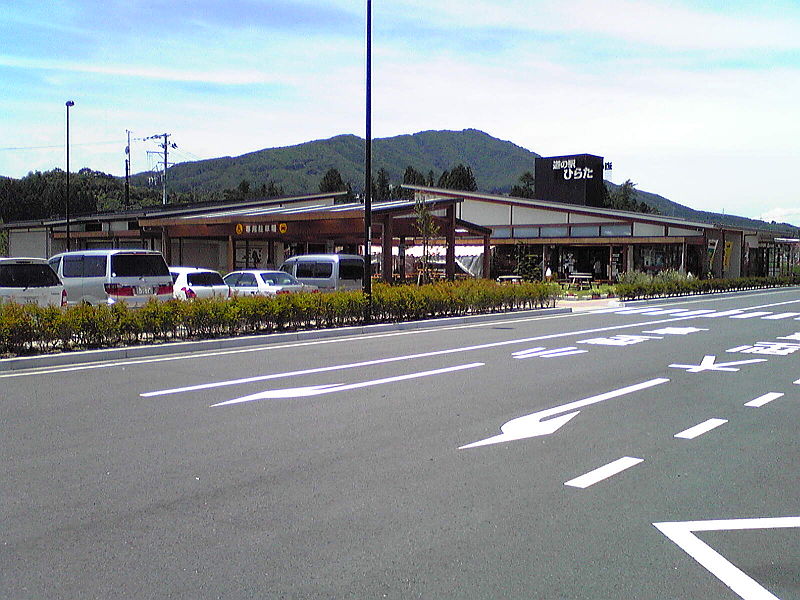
x=28, y=329
x=686, y=287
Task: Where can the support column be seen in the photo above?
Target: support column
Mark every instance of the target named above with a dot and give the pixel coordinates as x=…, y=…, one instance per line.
x=402, y=259
x=231, y=253
x=487, y=257
x=166, y=245
x=450, y=255
x=386, y=249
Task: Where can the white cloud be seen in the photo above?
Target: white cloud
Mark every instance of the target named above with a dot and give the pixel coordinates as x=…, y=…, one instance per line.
x=783, y=215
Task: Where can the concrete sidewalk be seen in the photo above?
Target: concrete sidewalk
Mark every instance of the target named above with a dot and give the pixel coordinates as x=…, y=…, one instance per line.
x=581, y=305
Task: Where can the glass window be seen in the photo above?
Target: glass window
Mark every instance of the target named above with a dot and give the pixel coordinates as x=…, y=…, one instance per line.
x=94, y=266
x=232, y=279
x=585, y=231
x=205, y=278
x=501, y=232
x=350, y=268
x=138, y=265
x=73, y=266
x=323, y=270
x=27, y=275
x=305, y=269
x=526, y=232
x=54, y=263
x=247, y=280
x=554, y=231
x=615, y=230
x=282, y=279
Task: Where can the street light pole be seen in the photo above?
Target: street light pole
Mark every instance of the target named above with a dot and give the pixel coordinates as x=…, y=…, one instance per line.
x=368, y=175
x=69, y=104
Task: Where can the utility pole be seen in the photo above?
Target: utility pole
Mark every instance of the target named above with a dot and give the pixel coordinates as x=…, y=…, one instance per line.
x=367, y=283
x=165, y=146
x=128, y=171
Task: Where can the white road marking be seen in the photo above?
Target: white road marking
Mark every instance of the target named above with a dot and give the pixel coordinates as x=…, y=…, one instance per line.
x=700, y=429
x=778, y=316
x=253, y=379
x=604, y=472
x=762, y=400
x=752, y=315
x=707, y=364
x=724, y=313
x=545, y=353
x=698, y=313
x=316, y=390
x=682, y=533
x=370, y=336
x=676, y=330
x=532, y=425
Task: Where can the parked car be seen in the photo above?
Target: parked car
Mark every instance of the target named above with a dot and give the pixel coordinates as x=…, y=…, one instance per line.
x=189, y=283
x=258, y=282
x=110, y=276
x=328, y=272
x=30, y=281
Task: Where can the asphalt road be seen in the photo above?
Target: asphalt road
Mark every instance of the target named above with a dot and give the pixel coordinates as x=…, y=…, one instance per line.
x=451, y=462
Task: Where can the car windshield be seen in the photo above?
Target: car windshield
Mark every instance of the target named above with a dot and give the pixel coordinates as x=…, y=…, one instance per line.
x=23, y=275
x=138, y=265
x=277, y=278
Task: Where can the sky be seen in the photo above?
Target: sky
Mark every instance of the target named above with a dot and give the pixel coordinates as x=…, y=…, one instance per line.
x=698, y=101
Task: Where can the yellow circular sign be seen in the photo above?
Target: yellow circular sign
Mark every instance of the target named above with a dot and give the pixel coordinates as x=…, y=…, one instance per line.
x=283, y=228
x=239, y=229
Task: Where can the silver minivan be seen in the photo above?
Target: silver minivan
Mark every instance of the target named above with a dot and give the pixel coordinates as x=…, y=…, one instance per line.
x=110, y=276
x=329, y=272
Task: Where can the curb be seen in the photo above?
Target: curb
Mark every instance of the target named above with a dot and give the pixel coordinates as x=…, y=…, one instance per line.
x=88, y=356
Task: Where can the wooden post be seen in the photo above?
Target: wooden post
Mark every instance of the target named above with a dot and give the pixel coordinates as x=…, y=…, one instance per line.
x=386, y=249
x=450, y=255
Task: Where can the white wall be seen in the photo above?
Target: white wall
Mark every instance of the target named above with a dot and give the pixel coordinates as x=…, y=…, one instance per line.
x=28, y=242
x=530, y=216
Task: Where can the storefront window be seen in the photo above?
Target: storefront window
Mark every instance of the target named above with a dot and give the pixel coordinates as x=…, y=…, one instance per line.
x=655, y=258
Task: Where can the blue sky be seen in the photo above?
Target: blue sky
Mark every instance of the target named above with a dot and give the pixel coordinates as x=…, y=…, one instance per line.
x=695, y=100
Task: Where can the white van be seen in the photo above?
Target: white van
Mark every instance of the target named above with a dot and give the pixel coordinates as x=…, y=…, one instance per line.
x=110, y=276
x=329, y=272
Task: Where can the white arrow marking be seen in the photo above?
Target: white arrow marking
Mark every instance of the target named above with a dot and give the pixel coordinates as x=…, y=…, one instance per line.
x=532, y=425
x=682, y=533
x=707, y=364
x=316, y=390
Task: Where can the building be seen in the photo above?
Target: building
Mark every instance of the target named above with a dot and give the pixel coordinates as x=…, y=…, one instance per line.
x=496, y=231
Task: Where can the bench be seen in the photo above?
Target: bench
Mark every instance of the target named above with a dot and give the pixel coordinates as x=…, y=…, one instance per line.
x=578, y=280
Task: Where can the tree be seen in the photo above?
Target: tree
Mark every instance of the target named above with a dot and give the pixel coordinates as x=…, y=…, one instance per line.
x=460, y=178
x=382, y=188
x=526, y=187
x=332, y=182
x=427, y=227
x=412, y=177
x=625, y=198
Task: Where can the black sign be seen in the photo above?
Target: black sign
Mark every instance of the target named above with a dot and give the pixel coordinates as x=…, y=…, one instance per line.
x=575, y=179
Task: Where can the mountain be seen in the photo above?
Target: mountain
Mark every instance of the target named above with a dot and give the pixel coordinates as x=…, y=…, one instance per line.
x=673, y=209
x=496, y=164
